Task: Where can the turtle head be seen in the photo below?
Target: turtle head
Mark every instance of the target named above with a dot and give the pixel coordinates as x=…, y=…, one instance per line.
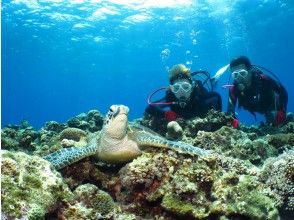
x=116, y=121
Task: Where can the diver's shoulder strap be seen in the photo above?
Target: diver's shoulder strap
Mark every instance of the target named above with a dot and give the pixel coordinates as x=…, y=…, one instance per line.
x=199, y=87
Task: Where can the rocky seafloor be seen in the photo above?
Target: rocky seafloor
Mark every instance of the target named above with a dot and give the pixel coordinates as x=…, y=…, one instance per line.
x=250, y=175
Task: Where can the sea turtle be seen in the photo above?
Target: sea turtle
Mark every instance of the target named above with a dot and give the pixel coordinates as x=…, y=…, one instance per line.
x=119, y=142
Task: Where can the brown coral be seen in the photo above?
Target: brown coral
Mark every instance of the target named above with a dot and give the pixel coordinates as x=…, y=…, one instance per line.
x=73, y=137
x=89, y=203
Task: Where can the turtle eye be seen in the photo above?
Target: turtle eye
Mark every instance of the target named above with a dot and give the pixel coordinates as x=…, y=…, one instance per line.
x=116, y=112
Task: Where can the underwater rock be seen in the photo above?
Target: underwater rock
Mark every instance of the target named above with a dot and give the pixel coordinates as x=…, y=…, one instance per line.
x=242, y=196
x=30, y=188
x=281, y=142
x=278, y=174
x=185, y=194
x=54, y=126
x=290, y=117
x=47, y=142
x=158, y=125
x=213, y=121
x=86, y=171
x=288, y=128
x=240, y=167
x=180, y=188
x=9, y=139
x=139, y=183
x=174, y=131
x=26, y=139
x=19, y=138
x=161, y=183
x=235, y=143
x=145, y=170
x=89, y=203
x=73, y=137
x=73, y=134
x=92, y=121
x=53, y=136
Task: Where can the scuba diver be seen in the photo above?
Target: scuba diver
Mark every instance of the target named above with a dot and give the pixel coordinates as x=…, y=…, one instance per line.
x=256, y=92
x=185, y=97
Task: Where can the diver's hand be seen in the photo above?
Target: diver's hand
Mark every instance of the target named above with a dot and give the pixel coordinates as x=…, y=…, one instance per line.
x=280, y=117
x=170, y=115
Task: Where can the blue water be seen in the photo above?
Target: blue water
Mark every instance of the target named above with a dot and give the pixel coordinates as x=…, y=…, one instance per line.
x=60, y=59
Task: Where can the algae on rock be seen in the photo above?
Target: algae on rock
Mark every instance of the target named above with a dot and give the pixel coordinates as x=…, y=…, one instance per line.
x=30, y=188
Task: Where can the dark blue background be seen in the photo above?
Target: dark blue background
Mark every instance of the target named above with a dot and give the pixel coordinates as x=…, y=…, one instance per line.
x=53, y=71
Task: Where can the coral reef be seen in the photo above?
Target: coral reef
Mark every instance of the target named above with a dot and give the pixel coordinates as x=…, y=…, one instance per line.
x=280, y=141
x=26, y=139
x=174, y=131
x=92, y=121
x=278, y=174
x=158, y=125
x=191, y=188
x=29, y=187
x=73, y=137
x=53, y=136
x=86, y=171
x=249, y=176
x=213, y=121
x=242, y=145
x=54, y=126
x=235, y=143
x=89, y=203
x=244, y=196
x=19, y=138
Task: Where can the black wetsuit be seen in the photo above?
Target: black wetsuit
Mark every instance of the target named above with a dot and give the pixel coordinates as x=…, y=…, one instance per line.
x=200, y=103
x=264, y=95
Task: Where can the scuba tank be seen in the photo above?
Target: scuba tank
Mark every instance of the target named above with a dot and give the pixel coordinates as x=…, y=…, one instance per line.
x=263, y=69
x=204, y=77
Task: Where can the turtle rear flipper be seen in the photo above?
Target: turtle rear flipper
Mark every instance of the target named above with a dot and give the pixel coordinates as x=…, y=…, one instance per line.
x=145, y=139
x=67, y=156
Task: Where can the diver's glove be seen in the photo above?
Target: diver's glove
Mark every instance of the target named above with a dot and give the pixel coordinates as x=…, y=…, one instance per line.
x=170, y=115
x=280, y=117
x=235, y=123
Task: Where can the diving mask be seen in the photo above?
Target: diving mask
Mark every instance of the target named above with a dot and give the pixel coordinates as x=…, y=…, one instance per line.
x=181, y=86
x=240, y=75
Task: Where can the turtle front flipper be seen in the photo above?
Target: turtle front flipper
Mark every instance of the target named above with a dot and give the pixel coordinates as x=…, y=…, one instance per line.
x=145, y=139
x=67, y=156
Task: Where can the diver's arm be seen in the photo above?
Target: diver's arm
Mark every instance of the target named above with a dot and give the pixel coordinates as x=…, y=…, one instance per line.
x=156, y=110
x=280, y=102
x=232, y=102
x=282, y=93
